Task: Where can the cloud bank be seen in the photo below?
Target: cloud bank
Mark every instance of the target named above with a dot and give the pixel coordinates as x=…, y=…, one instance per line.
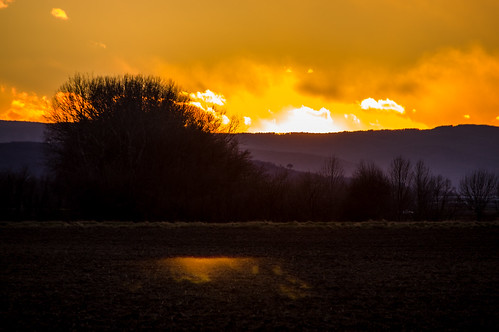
x=432, y=62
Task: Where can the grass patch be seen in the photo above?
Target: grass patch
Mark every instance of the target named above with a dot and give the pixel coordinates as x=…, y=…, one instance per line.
x=249, y=224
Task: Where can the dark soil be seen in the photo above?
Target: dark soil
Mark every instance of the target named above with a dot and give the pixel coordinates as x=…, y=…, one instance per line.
x=255, y=276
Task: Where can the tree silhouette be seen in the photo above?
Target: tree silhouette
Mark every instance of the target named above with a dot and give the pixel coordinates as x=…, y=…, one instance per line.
x=134, y=147
x=431, y=193
x=441, y=191
x=400, y=179
x=333, y=172
x=477, y=189
x=422, y=189
x=333, y=176
x=369, y=193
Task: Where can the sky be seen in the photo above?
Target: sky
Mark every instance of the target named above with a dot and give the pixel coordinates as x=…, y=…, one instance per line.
x=280, y=66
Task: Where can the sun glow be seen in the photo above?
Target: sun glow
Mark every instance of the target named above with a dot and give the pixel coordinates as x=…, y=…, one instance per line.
x=303, y=119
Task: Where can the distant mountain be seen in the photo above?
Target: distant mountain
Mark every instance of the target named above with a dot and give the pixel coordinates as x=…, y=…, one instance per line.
x=21, y=146
x=16, y=156
x=450, y=151
x=20, y=131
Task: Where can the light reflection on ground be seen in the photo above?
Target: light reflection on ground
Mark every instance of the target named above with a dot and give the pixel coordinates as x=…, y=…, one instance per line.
x=204, y=270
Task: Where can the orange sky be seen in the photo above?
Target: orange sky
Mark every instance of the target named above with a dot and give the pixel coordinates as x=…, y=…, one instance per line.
x=313, y=65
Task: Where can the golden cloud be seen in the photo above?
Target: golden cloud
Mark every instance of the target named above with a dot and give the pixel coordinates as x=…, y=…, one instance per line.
x=24, y=106
x=438, y=89
x=5, y=3
x=230, y=75
x=60, y=14
x=98, y=44
x=208, y=97
x=279, y=105
x=387, y=104
x=455, y=83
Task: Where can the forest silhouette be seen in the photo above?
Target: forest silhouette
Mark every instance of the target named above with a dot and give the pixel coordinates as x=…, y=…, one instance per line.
x=135, y=148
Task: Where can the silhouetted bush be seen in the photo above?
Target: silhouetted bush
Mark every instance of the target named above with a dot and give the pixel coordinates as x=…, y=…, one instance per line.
x=368, y=194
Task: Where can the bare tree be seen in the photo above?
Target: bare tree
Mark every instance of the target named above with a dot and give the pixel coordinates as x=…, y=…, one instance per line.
x=441, y=190
x=334, y=179
x=276, y=195
x=477, y=190
x=308, y=198
x=332, y=170
x=422, y=189
x=369, y=193
x=400, y=180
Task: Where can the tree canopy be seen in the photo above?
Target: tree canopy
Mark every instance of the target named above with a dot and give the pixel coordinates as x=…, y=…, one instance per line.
x=134, y=146
x=477, y=189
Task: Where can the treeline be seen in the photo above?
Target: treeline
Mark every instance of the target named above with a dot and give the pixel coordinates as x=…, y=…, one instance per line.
x=404, y=192
x=137, y=148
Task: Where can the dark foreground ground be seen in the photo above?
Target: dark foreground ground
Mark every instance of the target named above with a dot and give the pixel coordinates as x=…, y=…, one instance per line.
x=371, y=276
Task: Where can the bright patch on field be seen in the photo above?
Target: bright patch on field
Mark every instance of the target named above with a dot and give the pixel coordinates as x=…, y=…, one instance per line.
x=231, y=271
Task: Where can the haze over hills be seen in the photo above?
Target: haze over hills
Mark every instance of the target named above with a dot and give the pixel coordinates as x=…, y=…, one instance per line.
x=20, y=131
x=21, y=146
x=449, y=151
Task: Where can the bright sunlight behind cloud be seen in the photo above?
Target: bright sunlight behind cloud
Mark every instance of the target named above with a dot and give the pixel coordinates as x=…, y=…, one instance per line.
x=209, y=97
x=303, y=119
x=381, y=105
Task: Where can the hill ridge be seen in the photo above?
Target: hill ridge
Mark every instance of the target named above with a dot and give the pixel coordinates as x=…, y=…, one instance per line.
x=448, y=150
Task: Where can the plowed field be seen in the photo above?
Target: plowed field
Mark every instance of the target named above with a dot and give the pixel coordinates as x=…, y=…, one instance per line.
x=364, y=276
